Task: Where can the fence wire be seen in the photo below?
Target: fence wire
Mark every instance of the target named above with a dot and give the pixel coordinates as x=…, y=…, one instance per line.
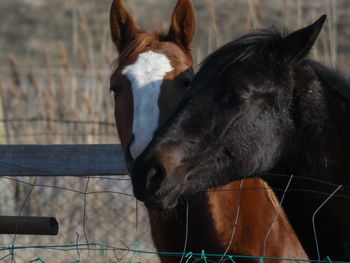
x=89, y=210
x=100, y=221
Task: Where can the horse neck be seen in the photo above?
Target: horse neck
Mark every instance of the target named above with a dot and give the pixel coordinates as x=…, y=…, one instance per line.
x=169, y=228
x=236, y=217
x=193, y=211
x=321, y=115
x=317, y=156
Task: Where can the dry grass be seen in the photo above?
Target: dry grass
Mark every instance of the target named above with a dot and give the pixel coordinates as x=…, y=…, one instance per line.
x=68, y=79
x=57, y=94
x=73, y=89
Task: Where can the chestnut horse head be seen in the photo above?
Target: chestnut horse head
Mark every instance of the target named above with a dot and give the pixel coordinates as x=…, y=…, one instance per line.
x=152, y=73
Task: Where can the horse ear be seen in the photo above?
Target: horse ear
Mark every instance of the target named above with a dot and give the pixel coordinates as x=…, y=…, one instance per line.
x=122, y=25
x=297, y=45
x=182, y=28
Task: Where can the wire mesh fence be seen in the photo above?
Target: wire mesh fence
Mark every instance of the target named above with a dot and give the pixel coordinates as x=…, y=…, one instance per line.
x=89, y=210
x=100, y=220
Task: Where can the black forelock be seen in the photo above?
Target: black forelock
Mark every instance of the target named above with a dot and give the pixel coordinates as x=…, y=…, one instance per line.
x=260, y=43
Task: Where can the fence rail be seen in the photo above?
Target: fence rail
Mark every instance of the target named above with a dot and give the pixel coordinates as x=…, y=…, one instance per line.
x=61, y=160
x=28, y=225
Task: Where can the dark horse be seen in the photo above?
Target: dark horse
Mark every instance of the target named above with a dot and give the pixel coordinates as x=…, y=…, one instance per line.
x=258, y=107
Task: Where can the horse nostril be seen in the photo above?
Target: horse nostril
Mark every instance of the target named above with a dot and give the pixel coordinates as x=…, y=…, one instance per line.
x=155, y=177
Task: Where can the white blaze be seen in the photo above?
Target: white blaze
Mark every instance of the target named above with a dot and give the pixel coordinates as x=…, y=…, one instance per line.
x=146, y=77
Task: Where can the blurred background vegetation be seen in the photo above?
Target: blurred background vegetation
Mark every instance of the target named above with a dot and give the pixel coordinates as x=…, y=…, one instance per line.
x=57, y=55
x=32, y=28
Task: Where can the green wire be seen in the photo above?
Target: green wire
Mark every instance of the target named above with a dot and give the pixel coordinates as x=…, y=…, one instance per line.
x=188, y=256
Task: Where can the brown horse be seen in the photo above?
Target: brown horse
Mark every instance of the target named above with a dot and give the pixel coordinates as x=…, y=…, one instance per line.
x=154, y=70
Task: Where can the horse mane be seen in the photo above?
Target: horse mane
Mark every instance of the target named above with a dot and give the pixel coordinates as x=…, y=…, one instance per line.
x=265, y=43
x=142, y=42
x=260, y=42
x=334, y=79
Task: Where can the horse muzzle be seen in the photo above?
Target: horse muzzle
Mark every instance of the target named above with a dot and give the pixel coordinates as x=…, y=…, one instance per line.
x=154, y=185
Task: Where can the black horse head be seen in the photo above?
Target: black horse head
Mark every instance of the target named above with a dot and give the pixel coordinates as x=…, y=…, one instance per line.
x=236, y=120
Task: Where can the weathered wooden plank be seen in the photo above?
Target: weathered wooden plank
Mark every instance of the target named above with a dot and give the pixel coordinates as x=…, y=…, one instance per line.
x=28, y=225
x=61, y=160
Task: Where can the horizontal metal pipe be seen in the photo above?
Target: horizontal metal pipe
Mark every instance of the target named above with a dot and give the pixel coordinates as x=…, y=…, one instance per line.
x=28, y=225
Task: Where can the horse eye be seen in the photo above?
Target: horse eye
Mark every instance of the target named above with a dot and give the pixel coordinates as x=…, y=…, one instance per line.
x=228, y=100
x=231, y=100
x=114, y=88
x=185, y=84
